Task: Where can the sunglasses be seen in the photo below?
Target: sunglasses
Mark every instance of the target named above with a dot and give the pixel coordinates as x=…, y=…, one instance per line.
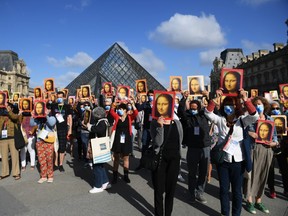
x=275, y=108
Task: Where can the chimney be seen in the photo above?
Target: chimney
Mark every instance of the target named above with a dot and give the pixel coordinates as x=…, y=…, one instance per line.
x=278, y=46
x=263, y=52
x=255, y=55
x=249, y=57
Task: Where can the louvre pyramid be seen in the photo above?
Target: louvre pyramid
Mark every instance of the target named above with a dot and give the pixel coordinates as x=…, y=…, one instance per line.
x=116, y=66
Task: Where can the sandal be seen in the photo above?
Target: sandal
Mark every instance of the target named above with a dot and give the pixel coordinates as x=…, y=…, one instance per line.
x=32, y=168
x=23, y=169
x=17, y=177
x=2, y=177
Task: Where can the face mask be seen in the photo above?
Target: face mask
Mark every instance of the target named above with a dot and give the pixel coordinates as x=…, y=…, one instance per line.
x=194, y=112
x=120, y=112
x=129, y=107
x=82, y=109
x=229, y=110
x=59, y=100
x=176, y=106
x=107, y=107
x=150, y=98
x=260, y=108
x=87, y=107
x=276, y=112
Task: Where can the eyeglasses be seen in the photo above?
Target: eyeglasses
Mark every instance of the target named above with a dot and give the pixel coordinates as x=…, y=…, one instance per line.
x=275, y=108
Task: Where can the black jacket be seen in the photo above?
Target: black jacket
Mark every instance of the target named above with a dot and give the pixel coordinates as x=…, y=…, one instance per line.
x=190, y=128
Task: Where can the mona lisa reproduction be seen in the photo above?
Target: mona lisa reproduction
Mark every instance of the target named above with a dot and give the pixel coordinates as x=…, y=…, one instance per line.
x=163, y=105
x=86, y=91
x=176, y=83
x=39, y=109
x=280, y=122
x=231, y=81
x=25, y=104
x=264, y=130
x=49, y=85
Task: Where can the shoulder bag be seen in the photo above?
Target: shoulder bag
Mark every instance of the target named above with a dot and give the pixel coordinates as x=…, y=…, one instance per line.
x=150, y=160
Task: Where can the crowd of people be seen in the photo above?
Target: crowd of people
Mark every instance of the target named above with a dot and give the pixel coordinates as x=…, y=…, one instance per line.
x=251, y=141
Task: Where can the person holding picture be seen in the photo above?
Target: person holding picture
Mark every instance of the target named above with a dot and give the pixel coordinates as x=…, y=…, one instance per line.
x=122, y=143
x=262, y=155
x=231, y=122
x=169, y=134
x=281, y=153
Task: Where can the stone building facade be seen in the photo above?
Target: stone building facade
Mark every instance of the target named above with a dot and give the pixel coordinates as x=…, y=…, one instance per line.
x=14, y=76
x=263, y=70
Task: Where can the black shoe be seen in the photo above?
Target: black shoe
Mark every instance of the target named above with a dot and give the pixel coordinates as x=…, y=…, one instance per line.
x=61, y=169
x=55, y=168
x=139, y=168
x=126, y=179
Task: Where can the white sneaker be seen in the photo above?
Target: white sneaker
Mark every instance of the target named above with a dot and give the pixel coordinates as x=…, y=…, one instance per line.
x=96, y=190
x=106, y=186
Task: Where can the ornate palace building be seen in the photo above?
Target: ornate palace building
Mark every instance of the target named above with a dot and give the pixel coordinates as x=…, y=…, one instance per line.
x=14, y=76
x=263, y=70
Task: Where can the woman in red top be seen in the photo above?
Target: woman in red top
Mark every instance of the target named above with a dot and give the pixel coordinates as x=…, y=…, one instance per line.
x=122, y=143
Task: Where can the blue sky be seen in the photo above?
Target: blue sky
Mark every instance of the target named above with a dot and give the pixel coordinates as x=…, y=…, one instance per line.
x=61, y=38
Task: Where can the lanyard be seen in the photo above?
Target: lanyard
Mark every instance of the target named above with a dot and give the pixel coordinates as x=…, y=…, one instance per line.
x=60, y=109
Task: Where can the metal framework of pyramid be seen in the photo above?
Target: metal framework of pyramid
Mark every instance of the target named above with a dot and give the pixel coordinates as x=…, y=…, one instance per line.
x=116, y=66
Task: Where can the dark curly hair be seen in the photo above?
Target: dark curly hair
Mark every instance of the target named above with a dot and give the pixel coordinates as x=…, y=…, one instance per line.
x=264, y=101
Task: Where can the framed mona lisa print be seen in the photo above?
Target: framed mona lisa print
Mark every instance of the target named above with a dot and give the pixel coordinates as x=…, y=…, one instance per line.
x=163, y=104
x=264, y=130
x=231, y=81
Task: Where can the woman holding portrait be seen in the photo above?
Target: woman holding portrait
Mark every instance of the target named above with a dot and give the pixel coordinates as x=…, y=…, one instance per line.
x=169, y=134
x=231, y=121
x=262, y=155
x=122, y=143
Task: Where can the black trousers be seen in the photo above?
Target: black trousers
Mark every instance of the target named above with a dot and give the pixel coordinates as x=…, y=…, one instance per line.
x=164, y=180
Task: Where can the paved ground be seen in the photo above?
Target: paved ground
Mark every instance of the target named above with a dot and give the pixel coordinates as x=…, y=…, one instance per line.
x=68, y=195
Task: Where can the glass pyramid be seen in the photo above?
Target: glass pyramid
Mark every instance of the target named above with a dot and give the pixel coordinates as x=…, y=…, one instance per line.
x=116, y=66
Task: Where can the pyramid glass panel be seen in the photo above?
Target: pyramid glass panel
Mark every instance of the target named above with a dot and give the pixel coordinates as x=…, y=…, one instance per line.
x=116, y=66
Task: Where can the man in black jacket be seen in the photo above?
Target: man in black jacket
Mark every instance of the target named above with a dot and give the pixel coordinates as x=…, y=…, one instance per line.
x=198, y=141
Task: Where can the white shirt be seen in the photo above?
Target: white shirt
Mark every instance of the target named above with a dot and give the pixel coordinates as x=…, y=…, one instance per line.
x=237, y=134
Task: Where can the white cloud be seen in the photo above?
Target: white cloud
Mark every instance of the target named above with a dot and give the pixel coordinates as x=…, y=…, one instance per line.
x=83, y=4
x=207, y=57
x=64, y=79
x=147, y=59
x=256, y=2
x=189, y=32
x=250, y=46
x=80, y=59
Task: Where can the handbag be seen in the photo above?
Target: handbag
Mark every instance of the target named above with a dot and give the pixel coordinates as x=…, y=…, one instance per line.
x=217, y=154
x=99, y=149
x=19, y=140
x=150, y=160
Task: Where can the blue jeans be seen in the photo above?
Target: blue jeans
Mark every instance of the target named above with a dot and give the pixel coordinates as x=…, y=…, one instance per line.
x=146, y=138
x=85, y=140
x=100, y=175
x=231, y=173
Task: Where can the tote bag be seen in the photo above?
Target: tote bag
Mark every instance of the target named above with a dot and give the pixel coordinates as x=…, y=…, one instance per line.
x=101, y=150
